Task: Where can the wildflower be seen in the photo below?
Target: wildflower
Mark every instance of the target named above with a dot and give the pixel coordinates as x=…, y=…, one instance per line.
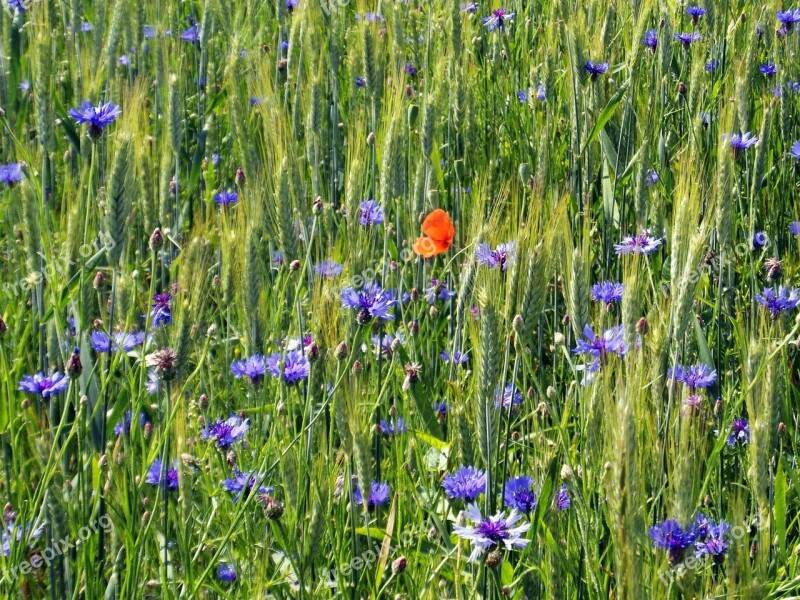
x=458, y=358
x=509, y=397
x=164, y=362
x=563, y=501
x=385, y=346
x=650, y=39
x=498, y=20
x=11, y=174
x=253, y=367
x=760, y=239
x=500, y=257
x=293, y=369
x=18, y=5
x=611, y=342
x=643, y=243
x=780, y=301
x=595, y=69
x=695, y=12
x=360, y=82
x=243, y=483
x=714, y=543
x=192, y=34
x=522, y=96
x=541, y=94
x=123, y=427
x=488, y=534
x=378, y=495
x=441, y=409
x=768, y=69
x=225, y=433
x=226, y=573
x=688, y=38
x=157, y=474
x=393, y=427
x=668, y=535
x=650, y=178
x=369, y=302
x=86, y=27
x=773, y=267
x=411, y=70
x=103, y=343
x=787, y=18
x=438, y=289
x=97, y=117
x=24, y=86
x=44, y=386
x=465, y=484
x=694, y=377
x=124, y=60
x=794, y=228
x=519, y=494
x=794, y=152
x=74, y=367
x=740, y=433
x=739, y=142
x=370, y=213
x=225, y=198
x=149, y=32
x=153, y=383
x=291, y=5
x=328, y=268
x=712, y=65
x=162, y=310
x=607, y=291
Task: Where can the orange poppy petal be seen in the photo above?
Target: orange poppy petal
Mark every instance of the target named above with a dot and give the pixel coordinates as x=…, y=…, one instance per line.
x=438, y=226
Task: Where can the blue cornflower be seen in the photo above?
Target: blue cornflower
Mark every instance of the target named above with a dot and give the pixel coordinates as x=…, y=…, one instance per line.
x=124, y=60
x=44, y=386
x=253, y=367
x=468, y=7
x=487, y=534
x=508, y=397
x=226, y=573
x=599, y=347
x=292, y=370
x=192, y=35
x=101, y=342
x=739, y=142
x=712, y=65
x=651, y=177
x=360, y=82
x=794, y=228
x=768, y=69
x=291, y=5
x=501, y=257
x=328, y=268
x=162, y=310
x=595, y=69
x=124, y=426
x=149, y=32
x=780, y=301
x=465, y=484
x=154, y=475
x=522, y=96
x=714, y=543
x=541, y=93
x=458, y=358
x=225, y=198
x=386, y=345
x=17, y=5
x=607, y=291
x=438, y=289
x=97, y=117
x=441, y=409
x=225, y=433
x=11, y=174
x=687, y=38
x=563, y=501
x=393, y=427
x=695, y=12
x=643, y=243
x=760, y=239
x=86, y=27
x=24, y=86
x=670, y=536
x=411, y=70
x=243, y=483
x=498, y=20
x=650, y=39
x=787, y=18
x=378, y=495
x=740, y=433
x=519, y=494
x=794, y=152
x=694, y=376
x=371, y=302
x=370, y=213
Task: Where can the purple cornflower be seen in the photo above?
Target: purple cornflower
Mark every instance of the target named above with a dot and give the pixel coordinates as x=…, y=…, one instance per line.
x=780, y=301
x=360, y=82
x=742, y=141
x=192, y=35
x=291, y=5
x=670, y=536
x=650, y=39
x=695, y=12
x=787, y=18
x=712, y=65
x=760, y=239
x=509, y=397
x=651, y=177
x=487, y=534
x=522, y=96
x=599, y=347
x=607, y=291
x=411, y=70
x=465, y=484
x=713, y=543
x=438, y=289
x=768, y=69
x=253, y=367
x=328, y=268
x=500, y=257
x=541, y=93
x=688, y=38
x=292, y=370
x=498, y=20
x=124, y=60
x=371, y=302
x=149, y=32
x=44, y=386
x=393, y=427
x=11, y=174
x=162, y=310
x=740, y=433
x=519, y=494
x=86, y=27
x=370, y=213
x=563, y=501
x=595, y=69
x=643, y=243
x=97, y=117
x=101, y=342
x=155, y=474
x=378, y=495
x=458, y=357
x=17, y=5
x=226, y=573
x=124, y=425
x=794, y=153
x=794, y=227
x=225, y=198
x=694, y=377
x=243, y=483
x=225, y=433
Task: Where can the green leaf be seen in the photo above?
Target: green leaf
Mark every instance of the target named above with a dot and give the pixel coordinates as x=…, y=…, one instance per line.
x=606, y=114
x=779, y=511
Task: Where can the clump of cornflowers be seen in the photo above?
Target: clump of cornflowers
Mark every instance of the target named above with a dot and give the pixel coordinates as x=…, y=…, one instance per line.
x=650, y=39
x=97, y=117
x=226, y=432
x=378, y=495
x=328, y=268
x=739, y=142
x=607, y=292
x=43, y=385
x=768, y=69
x=392, y=426
x=103, y=343
x=642, y=244
x=713, y=542
x=225, y=198
x=595, y=69
x=498, y=20
x=123, y=427
x=162, y=310
x=670, y=536
x=11, y=174
x=438, y=289
x=458, y=357
x=226, y=573
x=779, y=301
x=466, y=484
x=740, y=433
x=370, y=213
x=292, y=369
x=519, y=494
x=499, y=258
x=159, y=475
x=487, y=535
x=370, y=302
x=695, y=12
x=687, y=39
x=253, y=368
x=242, y=483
